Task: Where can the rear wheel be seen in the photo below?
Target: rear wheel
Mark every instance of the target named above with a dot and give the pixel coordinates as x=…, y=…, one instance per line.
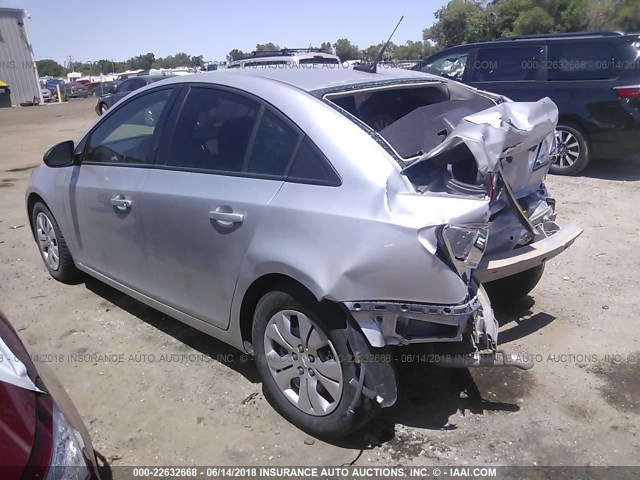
x=512, y=288
x=572, y=153
x=103, y=108
x=305, y=363
x=53, y=247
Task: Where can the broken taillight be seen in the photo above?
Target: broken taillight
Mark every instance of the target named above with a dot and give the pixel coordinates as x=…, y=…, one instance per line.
x=630, y=91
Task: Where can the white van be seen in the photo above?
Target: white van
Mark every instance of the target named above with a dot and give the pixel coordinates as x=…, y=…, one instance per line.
x=293, y=57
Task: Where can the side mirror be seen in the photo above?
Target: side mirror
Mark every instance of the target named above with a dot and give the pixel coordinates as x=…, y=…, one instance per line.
x=112, y=90
x=60, y=155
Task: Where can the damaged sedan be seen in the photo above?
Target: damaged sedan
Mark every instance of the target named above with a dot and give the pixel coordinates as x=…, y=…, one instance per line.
x=313, y=218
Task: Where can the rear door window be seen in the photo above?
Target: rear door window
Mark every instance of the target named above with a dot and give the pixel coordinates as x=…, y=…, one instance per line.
x=213, y=131
x=581, y=61
x=452, y=65
x=507, y=64
x=272, y=147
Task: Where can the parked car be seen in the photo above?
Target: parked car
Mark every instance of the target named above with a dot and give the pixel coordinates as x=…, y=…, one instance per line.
x=258, y=206
x=43, y=436
x=123, y=89
x=593, y=77
x=293, y=57
x=103, y=88
x=47, y=96
x=52, y=83
x=73, y=90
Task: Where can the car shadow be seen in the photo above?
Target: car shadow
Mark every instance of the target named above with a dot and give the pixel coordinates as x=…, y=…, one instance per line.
x=524, y=319
x=623, y=169
x=428, y=396
x=203, y=343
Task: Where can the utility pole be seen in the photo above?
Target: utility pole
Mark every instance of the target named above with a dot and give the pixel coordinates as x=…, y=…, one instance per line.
x=71, y=62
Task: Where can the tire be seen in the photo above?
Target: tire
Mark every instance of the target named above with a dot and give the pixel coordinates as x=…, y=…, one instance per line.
x=283, y=314
x=53, y=247
x=508, y=290
x=103, y=109
x=573, y=150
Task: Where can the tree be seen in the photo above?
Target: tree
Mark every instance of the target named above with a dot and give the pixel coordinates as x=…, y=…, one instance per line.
x=235, y=53
x=460, y=21
x=371, y=53
x=533, y=21
x=141, y=62
x=262, y=47
x=49, y=68
x=627, y=15
x=346, y=50
x=197, y=61
x=326, y=46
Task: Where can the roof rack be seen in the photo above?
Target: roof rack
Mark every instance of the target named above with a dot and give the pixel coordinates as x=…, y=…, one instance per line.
x=604, y=33
x=280, y=53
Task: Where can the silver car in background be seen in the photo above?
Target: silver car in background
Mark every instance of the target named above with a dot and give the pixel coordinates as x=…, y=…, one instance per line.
x=312, y=217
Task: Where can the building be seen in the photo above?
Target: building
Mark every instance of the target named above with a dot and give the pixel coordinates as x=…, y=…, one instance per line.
x=17, y=66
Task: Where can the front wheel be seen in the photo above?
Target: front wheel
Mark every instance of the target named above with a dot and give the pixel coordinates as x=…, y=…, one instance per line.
x=103, y=108
x=305, y=364
x=514, y=287
x=53, y=247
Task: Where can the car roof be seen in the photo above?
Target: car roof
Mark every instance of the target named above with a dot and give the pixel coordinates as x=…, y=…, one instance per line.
x=313, y=78
x=549, y=37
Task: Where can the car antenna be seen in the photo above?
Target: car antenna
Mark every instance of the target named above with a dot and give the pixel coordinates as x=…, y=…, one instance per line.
x=372, y=67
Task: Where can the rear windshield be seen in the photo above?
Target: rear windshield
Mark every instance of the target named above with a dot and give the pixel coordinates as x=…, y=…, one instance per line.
x=412, y=119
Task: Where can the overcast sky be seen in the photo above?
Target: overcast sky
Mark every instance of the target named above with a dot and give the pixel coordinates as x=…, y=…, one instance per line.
x=118, y=29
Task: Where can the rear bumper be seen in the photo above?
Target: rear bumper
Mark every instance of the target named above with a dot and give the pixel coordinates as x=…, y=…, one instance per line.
x=504, y=264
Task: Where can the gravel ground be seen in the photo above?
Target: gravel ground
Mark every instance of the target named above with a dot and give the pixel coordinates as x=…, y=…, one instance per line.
x=178, y=397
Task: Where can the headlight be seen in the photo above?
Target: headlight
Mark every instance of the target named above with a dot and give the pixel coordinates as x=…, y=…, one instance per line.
x=465, y=244
x=67, y=460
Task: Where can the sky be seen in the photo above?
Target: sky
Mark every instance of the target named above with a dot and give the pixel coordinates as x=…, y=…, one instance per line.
x=119, y=29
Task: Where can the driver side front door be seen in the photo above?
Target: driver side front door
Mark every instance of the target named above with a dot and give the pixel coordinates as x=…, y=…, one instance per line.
x=106, y=189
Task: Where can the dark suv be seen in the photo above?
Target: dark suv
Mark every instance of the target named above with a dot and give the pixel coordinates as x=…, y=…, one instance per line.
x=593, y=77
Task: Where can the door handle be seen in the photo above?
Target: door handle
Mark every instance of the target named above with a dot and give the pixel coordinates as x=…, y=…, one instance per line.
x=226, y=219
x=121, y=202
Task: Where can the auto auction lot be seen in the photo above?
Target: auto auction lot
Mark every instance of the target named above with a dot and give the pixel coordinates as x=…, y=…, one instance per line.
x=153, y=391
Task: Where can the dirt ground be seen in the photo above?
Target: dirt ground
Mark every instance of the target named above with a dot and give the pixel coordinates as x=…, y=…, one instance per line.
x=203, y=405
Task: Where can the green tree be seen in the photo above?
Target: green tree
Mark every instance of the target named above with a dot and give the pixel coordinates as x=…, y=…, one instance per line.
x=326, y=46
x=533, y=21
x=460, y=21
x=141, y=62
x=235, y=53
x=49, y=68
x=346, y=50
x=371, y=53
x=627, y=15
x=261, y=47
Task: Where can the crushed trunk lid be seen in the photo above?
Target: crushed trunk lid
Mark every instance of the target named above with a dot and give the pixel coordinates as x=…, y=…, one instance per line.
x=513, y=138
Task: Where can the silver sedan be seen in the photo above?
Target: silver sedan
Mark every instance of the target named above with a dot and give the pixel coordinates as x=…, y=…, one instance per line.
x=314, y=218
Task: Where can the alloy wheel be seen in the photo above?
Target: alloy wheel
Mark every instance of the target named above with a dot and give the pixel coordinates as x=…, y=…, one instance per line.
x=303, y=362
x=567, y=149
x=47, y=241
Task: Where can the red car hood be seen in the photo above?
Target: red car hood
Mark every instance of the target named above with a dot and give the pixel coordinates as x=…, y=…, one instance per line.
x=17, y=411
x=17, y=427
